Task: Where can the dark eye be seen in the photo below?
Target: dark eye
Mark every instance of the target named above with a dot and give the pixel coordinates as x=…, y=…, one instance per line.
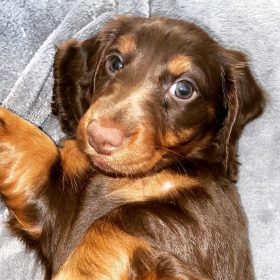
x=182, y=90
x=115, y=64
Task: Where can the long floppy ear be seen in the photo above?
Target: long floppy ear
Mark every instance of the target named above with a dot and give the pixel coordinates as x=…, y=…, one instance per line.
x=73, y=66
x=244, y=100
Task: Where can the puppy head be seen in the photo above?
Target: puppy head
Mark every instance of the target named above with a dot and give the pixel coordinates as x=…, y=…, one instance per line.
x=146, y=93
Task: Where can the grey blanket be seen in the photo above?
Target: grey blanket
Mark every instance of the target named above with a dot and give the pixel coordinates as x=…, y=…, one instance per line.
x=30, y=29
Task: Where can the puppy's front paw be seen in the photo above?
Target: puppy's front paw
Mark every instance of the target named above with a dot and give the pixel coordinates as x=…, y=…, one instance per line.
x=14, y=129
x=25, y=153
x=8, y=155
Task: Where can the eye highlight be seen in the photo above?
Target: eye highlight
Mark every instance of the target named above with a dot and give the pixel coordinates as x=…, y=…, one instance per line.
x=182, y=90
x=114, y=64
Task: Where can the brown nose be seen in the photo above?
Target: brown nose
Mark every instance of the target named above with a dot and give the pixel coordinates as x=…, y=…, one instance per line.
x=104, y=139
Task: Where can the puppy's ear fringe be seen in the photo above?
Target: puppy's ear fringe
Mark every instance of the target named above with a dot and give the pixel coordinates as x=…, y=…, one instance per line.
x=244, y=100
x=71, y=96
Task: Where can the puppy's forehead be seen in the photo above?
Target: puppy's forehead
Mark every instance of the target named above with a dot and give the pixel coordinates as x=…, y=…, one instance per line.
x=172, y=40
x=164, y=45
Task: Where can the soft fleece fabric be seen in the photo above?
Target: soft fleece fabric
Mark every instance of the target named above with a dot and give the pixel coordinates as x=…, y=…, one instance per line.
x=29, y=31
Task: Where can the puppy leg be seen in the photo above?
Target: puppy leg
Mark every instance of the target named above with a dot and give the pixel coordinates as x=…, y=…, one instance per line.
x=29, y=165
x=107, y=252
x=104, y=253
x=26, y=156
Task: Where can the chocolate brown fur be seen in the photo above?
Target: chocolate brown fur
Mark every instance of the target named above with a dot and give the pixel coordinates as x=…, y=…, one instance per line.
x=164, y=205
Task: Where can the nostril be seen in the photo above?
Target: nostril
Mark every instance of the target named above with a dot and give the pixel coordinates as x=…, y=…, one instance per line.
x=104, y=139
x=93, y=144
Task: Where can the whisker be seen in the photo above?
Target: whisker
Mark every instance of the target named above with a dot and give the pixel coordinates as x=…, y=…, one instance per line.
x=171, y=151
x=182, y=167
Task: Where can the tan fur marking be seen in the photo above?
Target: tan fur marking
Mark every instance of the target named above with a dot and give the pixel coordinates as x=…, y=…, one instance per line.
x=164, y=183
x=179, y=64
x=74, y=162
x=171, y=139
x=104, y=254
x=126, y=43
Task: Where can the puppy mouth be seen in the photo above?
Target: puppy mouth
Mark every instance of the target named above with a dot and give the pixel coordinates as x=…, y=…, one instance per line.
x=102, y=164
x=140, y=167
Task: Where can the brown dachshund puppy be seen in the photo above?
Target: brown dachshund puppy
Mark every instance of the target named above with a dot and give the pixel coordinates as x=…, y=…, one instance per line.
x=144, y=188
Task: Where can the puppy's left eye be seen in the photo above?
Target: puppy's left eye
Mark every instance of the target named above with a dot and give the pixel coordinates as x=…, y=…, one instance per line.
x=182, y=90
x=114, y=64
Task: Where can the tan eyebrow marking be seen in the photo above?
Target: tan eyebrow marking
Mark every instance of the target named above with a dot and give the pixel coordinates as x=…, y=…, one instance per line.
x=179, y=64
x=126, y=43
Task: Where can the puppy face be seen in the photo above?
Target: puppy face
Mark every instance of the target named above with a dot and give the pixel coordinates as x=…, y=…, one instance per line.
x=154, y=92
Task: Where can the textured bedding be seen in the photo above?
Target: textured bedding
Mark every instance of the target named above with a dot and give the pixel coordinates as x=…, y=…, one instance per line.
x=29, y=31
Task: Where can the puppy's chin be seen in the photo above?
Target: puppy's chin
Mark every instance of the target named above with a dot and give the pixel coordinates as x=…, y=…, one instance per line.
x=102, y=165
x=129, y=168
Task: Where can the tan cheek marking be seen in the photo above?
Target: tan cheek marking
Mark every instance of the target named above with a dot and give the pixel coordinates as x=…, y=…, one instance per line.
x=179, y=64
x=104, y=253
x=171, y=139
x=126, y=43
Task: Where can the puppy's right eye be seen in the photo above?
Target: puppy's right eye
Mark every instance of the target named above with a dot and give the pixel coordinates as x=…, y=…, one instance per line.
x=114, y=64
x=182, y=90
